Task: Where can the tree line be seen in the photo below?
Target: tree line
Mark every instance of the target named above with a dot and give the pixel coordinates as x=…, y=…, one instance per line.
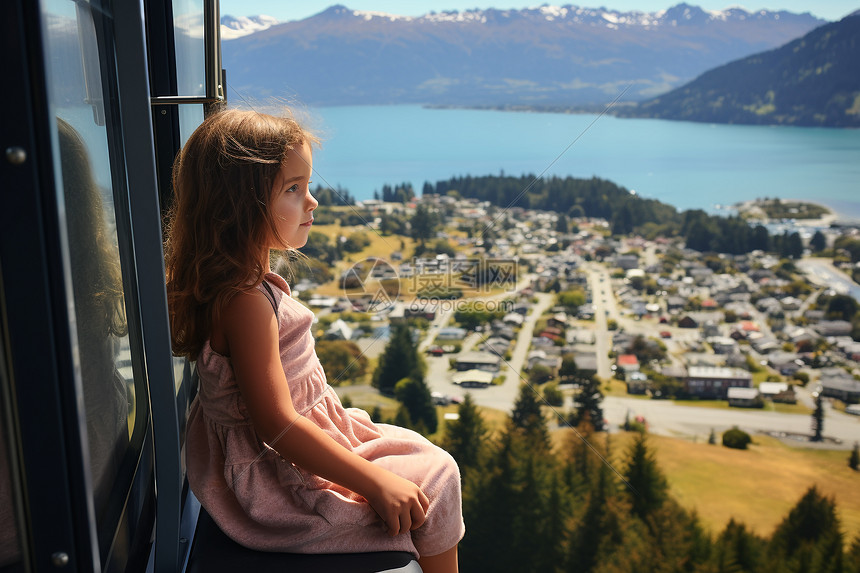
x=625, y=211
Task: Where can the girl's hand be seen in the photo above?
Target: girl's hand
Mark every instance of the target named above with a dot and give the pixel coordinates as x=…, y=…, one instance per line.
x=400, y=503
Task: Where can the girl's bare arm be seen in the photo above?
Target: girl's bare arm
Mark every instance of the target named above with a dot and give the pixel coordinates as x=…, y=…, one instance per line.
x=251, y=333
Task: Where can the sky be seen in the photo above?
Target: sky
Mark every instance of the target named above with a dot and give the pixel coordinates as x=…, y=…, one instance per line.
x=285, y=10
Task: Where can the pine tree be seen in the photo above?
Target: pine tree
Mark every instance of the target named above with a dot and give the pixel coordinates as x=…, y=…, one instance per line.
x=415, y=397
x=817, y=419
x=854, y=458
x=648, y=488
x=852, y=557
x=738, y=549
x=464, y=437
x=550, y=553
x=809, y=534
x=599, y=530
x=527, y=416
x=588, y=403
x=581, y=461
x=399, y=359
x=818, y=242
x=491, y=505
x=423, y=224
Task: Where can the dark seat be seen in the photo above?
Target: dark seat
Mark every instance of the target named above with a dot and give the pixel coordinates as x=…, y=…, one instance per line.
x=213, y=552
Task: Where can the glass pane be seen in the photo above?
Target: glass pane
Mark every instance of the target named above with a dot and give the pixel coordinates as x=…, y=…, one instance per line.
x=190, y=116
x=190, y=50
x=86, y=197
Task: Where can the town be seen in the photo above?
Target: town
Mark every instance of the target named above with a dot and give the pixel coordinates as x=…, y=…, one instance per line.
x=564, y=300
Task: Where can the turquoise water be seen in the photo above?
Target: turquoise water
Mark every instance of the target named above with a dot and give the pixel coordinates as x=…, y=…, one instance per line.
x=688, y=165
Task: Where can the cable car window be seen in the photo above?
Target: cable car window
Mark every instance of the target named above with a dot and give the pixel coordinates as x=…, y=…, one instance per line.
x=103, y=353
x=188, y=33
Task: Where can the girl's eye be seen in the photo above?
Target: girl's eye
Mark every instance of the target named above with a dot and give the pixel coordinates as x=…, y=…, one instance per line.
x=293, y=189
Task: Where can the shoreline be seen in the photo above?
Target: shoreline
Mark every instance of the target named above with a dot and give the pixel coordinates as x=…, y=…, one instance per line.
x=830, y=218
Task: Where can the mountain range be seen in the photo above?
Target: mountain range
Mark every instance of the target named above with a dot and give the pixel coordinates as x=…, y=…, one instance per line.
x=811, y=81
x=546, y=56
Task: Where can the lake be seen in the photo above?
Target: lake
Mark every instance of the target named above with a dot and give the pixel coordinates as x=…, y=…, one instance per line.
x=688, y=165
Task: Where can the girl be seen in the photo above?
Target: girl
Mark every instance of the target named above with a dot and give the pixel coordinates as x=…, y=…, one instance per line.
x=271, y=453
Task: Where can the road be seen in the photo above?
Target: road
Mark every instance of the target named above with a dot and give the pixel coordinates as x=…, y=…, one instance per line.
x=502, y=396
x=603, y=300
x=823, y=273
x=669, y=419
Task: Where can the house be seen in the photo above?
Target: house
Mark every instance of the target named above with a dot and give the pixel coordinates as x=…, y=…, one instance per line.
x=637, y=383
x=714, y=382
x=764, y=344
x=814, y=316
x=339, y=330
x=627, y=262
x=451, y=333
x=496, y=345
x=558, y=320
x=723, y=344
x=514, y=318
x=551, y=363
x=521, y=308
x=710, y=329
x=675, y=303
x=736, y=359
x=786, y=363
x=628, y=363
x=833, y=328
x=320, y=301
x=687, y=322
x=585, y=312
x=477, y=361
x=771, y=389
x=701, y=274
x=475, y=378
x=586, y=362
x=836, y=383
x=744, y=398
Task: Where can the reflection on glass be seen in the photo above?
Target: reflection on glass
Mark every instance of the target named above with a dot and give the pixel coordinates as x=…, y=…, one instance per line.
x=188, y=33
x=102, y=349
x=102, y=333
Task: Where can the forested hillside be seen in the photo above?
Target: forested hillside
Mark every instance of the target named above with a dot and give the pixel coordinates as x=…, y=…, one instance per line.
x=812, y=81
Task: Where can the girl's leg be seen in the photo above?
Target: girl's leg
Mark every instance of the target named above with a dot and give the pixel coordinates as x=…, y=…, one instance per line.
x=443, y=563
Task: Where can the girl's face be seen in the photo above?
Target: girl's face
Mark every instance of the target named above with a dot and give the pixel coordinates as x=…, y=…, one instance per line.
x=292, y=204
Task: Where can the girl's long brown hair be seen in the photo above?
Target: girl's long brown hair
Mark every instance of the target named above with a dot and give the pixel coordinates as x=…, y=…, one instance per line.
x=219, y=226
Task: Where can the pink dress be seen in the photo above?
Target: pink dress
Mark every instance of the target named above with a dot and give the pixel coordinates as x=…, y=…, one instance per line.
x=265, y=502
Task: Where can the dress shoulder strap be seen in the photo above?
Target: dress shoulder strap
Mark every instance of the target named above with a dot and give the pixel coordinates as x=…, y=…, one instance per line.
x=269, y=294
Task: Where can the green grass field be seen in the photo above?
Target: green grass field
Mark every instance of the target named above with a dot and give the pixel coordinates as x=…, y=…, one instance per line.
x=758, y=486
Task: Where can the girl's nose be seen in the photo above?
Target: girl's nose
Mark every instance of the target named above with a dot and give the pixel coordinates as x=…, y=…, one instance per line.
x=312, y=203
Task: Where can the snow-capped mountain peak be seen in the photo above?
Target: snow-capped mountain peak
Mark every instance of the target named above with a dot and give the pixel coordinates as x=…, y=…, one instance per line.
x=233, y=27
